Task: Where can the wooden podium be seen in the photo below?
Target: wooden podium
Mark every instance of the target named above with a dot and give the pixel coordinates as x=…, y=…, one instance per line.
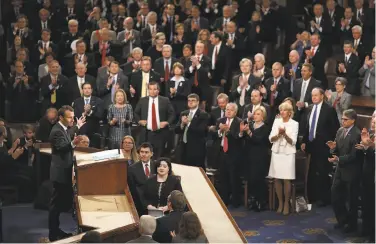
x=103, y=200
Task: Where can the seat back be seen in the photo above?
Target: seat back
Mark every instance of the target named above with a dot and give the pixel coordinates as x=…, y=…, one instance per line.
x=301, y=167
x=363, y=121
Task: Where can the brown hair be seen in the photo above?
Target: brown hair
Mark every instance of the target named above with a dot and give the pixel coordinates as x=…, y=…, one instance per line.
x=190, y=226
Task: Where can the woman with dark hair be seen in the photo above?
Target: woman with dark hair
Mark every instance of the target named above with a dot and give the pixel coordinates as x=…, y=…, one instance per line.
x=190, y=230
x=158, y=187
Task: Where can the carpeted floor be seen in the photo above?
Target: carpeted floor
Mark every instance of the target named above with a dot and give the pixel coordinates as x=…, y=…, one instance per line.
x=22, y=223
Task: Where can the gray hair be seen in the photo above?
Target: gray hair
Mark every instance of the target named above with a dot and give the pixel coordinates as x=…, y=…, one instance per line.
x=343, y=80
x=350, y=113
x=288, y=107
x=137, y=49
x=234, y=105
x=245, y=60
x=261, y=56
x=222, y=96
x=72, y=21
x=320, y=90
x=358, y=28
x=294, y=52
x=167, y=46
x=150, y=14
x=148, y=224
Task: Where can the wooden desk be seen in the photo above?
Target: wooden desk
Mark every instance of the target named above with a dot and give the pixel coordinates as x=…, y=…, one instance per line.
x=363, y=105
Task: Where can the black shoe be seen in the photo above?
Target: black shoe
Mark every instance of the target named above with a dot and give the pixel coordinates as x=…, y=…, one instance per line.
x=349, y=228
x=338, y=226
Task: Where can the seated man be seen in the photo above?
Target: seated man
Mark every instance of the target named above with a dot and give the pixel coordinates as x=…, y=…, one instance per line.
x=45, y=125
x=146, y=229
x=176, y=203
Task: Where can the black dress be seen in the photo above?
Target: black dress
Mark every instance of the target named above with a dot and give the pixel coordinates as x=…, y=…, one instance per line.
x=156, y=193
x=258, y=161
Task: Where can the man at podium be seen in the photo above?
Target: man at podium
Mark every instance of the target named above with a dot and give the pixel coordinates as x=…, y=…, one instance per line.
x=61, y=169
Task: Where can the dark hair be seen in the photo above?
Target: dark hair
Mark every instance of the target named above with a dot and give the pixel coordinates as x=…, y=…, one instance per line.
x=189, y=46
x=351, y=114
x=46, y=30
x=257, y=90
x=146, y=145
x=154, y=83
x=347, y=42
x=177, y=200
x=194, y=95
x=86, y=83
x=2, y=131
x=91, y=237
x=113, y=62
x=27, y=127
x=63, y=109
x=190, y=226
x=160, y=161
x=309, y=66
x=317, y=34
x=217, y=34
x=110, y=59
x=49, y=54
x=79, y=42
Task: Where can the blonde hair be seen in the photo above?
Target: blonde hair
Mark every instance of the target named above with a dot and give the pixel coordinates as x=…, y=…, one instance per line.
x=263, y=111
x=124, y=94
x=134, y=153
x=288, y=107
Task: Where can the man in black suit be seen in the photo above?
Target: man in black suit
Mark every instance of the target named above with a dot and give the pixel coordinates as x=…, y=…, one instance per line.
x=335, y=13
x=220, y=60
x=236, y=44
x=302, y=92
x=43, y=46
x=321, y=127
x=106, y=47
x=45, y=125
x=91, y=107
x=61, y=169
x=253, y=81
x=359, y=43
x=345, y=188
x=138, y=173
x=228, y=130
x=45, y=21
x=256, y=101
x=74, y=86
x=195, y=23
x=259, y=68
x=169, y=22
x=193, y=127
x=67, y=38
x=197, y=70
x=53, y=88
x=163, y=66
x=317, y=56
x=140, y=80
x=220, y=23
x=348, y=67
x=151, y=29
x=347, y=23
x=116, y=80
x=293, y=68
x=268, y=28
x=135, y=64
x=176, y=204
x=322, y=25
x=277, y=88
x=154, y=113
x=81, y=56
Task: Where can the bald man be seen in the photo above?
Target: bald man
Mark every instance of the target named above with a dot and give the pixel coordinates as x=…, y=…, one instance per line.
x=293, y=68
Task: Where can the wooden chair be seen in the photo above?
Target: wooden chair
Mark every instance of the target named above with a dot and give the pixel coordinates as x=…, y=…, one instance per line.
x=301, y=176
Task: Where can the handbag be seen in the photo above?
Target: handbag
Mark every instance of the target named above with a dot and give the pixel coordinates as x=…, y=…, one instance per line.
x=300, y=204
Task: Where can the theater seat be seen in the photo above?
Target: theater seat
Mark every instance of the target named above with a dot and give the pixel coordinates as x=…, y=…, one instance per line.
x=363, y=121
x=301, y=175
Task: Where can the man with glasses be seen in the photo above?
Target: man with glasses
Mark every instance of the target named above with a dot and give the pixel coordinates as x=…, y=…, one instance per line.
x=346, y=178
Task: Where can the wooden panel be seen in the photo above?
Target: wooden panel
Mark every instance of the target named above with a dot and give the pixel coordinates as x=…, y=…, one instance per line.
x=363, y=105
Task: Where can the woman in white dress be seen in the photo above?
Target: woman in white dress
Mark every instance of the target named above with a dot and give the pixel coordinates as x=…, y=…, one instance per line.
x=283, y=136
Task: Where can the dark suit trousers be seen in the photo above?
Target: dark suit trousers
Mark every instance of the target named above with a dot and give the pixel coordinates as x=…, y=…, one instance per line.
x=342, y=192
x=368, y=204
x=192, y=158
x=61, y=201
x=230, y=183
x=158, y=139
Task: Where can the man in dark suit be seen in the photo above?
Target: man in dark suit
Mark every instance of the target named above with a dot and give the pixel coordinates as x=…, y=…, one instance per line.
x=163, y=66
x=277, y=88
x=91, y=107
x=317, y=56
x=220, y=23
x=347, y=23
x=348, y=67
x=259, y=68
x=335, y=13
x=53, y=88
x=321, y=127
x=220, y=60
x=235, y=41
x=130, y=37
x=116, y=80
x=138, y=173
x=67, y=38
x=322, y=25
x=228, y=130
x=195, y=23
x=268, y=27
x=256, y=101
x=361, y=48
x=74, y=86
x=345, y=188
x=176, y=204
x=106, y=47
x=197, y=72
x=169, y=22
x=151, y=29
x=45, y=21
x=155, y=114
x=45, y=125
x=43, y=47
x=140, y=80
x=253, y=81
x=61, y=169
x=193, y=127
x=293, y=68
x=81, y=56
x=135, y=64
x=146, y=230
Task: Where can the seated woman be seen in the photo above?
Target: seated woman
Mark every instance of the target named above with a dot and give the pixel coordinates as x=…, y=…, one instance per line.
x=283, y=136
x=129, y=150
x=190, y=230
x=158, y=187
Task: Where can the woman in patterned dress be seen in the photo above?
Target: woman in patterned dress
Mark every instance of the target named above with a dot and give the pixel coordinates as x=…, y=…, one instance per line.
x=120, y=116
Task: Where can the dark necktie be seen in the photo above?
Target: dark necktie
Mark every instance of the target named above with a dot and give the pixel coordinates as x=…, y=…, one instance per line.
x=167, y=72
x=313, y=125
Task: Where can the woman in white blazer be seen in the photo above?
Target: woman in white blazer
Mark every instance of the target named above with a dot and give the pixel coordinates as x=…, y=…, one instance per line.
x=283, y=136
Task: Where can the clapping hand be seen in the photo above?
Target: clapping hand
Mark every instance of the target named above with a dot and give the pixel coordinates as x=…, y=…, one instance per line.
x=77, y=140
x=331, y=144
x=328, y=94
x=223, y=127
x=87, y=109
x=334, y=159
x=281, y=131
x=81, y=121
x=300, y=104
x=184, y=120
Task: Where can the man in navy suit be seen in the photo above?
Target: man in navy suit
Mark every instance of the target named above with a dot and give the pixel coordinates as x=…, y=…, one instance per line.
x=293, y=68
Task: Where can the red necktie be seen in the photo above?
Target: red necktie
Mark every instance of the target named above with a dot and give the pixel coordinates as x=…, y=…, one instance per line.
x=147, y=172
x=225, y=140
x=336, y=101
x=313, y=51
x=196, y=78
x=272, y=95
x=103, y=54
x=206, y=50
x=166, y=72
x=153, y=117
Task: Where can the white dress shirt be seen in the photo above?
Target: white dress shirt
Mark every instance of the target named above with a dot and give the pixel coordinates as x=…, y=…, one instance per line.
x=303, y=92
x=199, y=57
x=149, y=122
x=177, y=81
x=317, y=117
x=216, y=49
x=80, y=81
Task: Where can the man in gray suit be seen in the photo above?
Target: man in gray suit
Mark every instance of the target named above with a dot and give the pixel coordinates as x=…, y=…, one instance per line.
x=61, y=169
x=368, y=74
x=130, y=37
x=108, y=84
x=146, y=229
x=340, y=99
x=96, y=35
x=346, y=178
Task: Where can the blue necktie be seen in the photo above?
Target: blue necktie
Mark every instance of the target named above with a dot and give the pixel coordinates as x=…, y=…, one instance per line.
x=313, y=124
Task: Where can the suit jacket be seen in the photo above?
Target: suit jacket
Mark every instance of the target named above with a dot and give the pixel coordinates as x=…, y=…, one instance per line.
x=298, y=70
x=349, y=166
x=298, y=89
x=281, y=145
x=234, y=141
x=343, y=104
x=37, y=27
x=73, y=89
x=159, y=67
x=146, y=37
x=166, y=224
x=367, y=73
x=114, y=49
x=105, y=93
x=92, y=119
x=352, y=69
x=203, y=24
x=325, y=25
x=268, y=26
x=249, y=108
x=346, y=33
x=166, y=111
x=237, y=49
x=318, y=61
x=222, y=65
x=283, y=90
x=61, y=95
x=43, y=130
x=94, y=37
x=253, y=81
x=39, y=59
x=136, y=83
x=70, y=64
x=179, y=99
x=218, y=23
x=362, y=49
x=202, y=75
x=62, y=155
x=143, y=239
x=169, y=29
x=326, y=128
x=129, y=45
x=128, y=69
x=65, y=43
